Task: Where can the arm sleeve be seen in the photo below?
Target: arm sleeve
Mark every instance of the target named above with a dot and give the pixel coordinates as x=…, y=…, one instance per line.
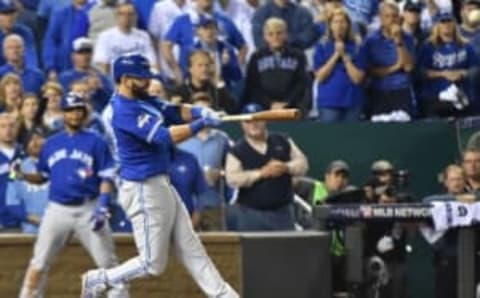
x=14, y=201
x=146, y=127
x=234, y=36
x=155, y=22
x=174, y=33
x=101, y=51
x=51, y=40
x=104, y=163
x=171, y=112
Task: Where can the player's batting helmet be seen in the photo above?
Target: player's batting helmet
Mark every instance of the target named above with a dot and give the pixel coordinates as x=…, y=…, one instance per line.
x=132, y=65
x=73, y=100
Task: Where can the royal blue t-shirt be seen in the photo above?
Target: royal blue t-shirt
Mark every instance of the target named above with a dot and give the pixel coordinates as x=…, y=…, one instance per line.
x=187, y=178
x=182, y=33
x=338, y=90
x=76, y=164
x=32, y=78
x=449, y=56
x=382, y=52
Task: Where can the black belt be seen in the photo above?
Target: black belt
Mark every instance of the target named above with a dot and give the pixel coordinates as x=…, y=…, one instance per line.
x=76, y=202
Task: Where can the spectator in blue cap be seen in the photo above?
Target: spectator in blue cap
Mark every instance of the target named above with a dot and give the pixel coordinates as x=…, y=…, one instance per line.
x=9, y=25
x=65, y=25
x=261, y=166
x=446, y=61
x=14, y=53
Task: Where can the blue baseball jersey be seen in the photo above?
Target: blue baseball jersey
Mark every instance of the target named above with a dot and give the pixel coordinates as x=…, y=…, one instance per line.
x=141, y=134
x=187, y=178
x=27, y=198
x=338, y=90
x=182, y=32
x=7, y=156
x=382, y=52
x=76, y=165
x=450, y=56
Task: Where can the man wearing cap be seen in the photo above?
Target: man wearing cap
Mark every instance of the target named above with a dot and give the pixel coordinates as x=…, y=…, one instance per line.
x=80, y=169
x=124, y=38
x=9, y=25
x=411, y=21
x=82, y=69
x=65, y=25
x=261, y=165
x=391, y=59
x=182, y=33
x=14, y=53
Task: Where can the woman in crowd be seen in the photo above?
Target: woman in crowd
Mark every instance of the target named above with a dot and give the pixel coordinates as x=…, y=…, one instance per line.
x=11, y=94
x=29, y=118
x=446, y=61
x=53, y=115
x=339, y=70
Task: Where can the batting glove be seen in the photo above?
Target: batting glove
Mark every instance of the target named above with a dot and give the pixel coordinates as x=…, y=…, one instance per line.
x=101, y=213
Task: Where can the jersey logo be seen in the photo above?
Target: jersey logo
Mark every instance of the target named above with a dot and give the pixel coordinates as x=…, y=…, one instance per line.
x=85, y=173
x=142, y=120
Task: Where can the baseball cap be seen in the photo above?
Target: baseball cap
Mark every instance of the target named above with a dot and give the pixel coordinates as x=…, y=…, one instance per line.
x=338, y=166
x=412, y=5
x=82, y=44
x=443, y=16
x=382, y=166
x=7, y=8
x=73, y=100
x=252, y=108
x=133, y=65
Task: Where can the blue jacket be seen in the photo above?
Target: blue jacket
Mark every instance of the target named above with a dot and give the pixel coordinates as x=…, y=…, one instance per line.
x=32, y=78
x=64, y=27
x=26, y=33
x=302, y=32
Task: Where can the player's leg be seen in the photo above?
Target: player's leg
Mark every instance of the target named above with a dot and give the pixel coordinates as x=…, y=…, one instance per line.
x=100, y=246
x=192, y=254
x=151, y=214
x=55, y=229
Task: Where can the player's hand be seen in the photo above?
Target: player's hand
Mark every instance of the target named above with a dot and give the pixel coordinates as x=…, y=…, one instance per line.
x=213, y=119
x=101, y=213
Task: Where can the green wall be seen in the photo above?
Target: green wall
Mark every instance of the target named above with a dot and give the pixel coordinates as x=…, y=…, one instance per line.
x=422, y=148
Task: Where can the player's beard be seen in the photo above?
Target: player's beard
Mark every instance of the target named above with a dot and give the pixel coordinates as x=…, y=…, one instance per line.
x=139, y=91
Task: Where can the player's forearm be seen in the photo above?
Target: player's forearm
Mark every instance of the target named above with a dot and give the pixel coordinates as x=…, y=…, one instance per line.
x=179, y=133
x=106, y=187
x=166, y=48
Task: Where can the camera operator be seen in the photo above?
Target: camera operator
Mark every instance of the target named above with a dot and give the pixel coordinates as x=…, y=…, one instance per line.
x=385, y=243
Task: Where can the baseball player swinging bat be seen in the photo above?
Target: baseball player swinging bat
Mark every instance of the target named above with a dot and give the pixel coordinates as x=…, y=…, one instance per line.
x=271, y=115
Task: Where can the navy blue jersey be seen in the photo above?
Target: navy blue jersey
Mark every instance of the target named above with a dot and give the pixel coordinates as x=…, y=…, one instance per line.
x=142, y=137
x=76, y=165
x=187, y=178
x=7, y=218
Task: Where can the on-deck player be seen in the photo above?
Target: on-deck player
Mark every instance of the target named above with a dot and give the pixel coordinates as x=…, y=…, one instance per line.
x=145, y=129
x=80, y=168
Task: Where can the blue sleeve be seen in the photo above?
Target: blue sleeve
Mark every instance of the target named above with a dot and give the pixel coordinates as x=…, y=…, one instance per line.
x=174, y=33
x=234, y=36
x=146, y=127
x=14, y=200
x=319, y=57
x=258, y=21
x=31, y=57
x=170, y=111
x=51, y=39
x=104, y=163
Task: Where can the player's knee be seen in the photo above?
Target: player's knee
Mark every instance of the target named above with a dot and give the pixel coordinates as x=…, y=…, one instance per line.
x=155, y=268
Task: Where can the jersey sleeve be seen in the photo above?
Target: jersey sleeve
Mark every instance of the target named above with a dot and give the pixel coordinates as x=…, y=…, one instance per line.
x=171, y=112
x=104, y=163
x=144, y=126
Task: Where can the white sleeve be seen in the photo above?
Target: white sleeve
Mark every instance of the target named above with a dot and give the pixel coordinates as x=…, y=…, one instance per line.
x=155, y=22
x=101, y=51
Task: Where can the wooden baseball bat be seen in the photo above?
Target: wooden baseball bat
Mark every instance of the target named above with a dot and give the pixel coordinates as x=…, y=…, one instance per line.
x=270, y=115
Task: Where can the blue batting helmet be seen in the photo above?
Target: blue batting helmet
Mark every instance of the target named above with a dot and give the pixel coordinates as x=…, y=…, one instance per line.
x=73, y=100
x=132, y=65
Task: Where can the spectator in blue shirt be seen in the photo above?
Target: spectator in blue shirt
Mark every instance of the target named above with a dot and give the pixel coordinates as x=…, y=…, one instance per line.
x=390, y=60
x=64, y=27
x=13, y=51
x=340, y=69
x=187, y=178
x=101, y=85
x=302, y=32
x=446, y=60
x=28, y=200
x=9, y=25
x=210, y=147
x=226, y=64
x=182, y=33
